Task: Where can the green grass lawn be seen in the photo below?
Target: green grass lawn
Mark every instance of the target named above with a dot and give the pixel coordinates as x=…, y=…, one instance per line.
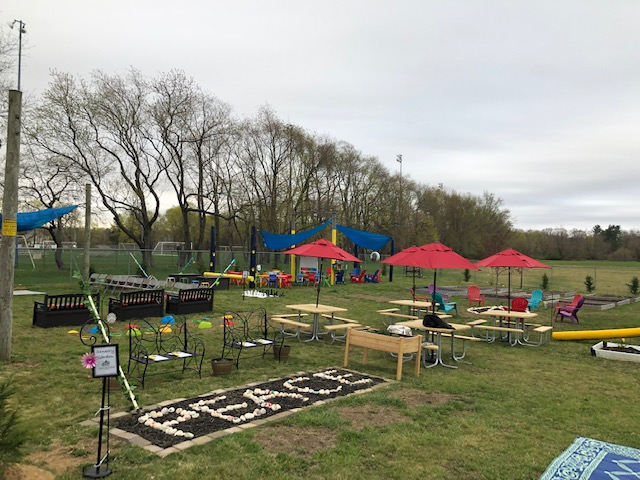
x=506, y=413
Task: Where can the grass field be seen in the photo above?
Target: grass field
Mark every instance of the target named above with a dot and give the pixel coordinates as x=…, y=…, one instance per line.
x=506, y=413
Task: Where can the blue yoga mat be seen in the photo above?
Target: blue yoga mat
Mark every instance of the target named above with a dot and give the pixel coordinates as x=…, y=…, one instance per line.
x=591, y=459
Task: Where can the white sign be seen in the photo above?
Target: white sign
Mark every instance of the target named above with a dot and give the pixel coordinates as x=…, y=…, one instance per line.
x=107, y=362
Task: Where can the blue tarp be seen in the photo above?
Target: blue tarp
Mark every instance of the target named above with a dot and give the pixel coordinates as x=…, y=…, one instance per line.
x=367, y=240
x=32, y=220
x=279, y=241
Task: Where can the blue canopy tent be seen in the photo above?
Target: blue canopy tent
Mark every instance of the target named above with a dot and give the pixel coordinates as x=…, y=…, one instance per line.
x=31, y=220
x=360, y=238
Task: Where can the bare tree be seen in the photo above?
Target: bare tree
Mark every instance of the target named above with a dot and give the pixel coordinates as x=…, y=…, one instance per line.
x=104, y=128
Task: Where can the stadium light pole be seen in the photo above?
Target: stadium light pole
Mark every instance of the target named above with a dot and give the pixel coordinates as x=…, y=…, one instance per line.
x=21, y=30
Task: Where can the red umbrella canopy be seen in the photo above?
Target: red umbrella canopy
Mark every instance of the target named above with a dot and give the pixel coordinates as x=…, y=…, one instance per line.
x=322, y=249
x=432, y=255
x=511, y=258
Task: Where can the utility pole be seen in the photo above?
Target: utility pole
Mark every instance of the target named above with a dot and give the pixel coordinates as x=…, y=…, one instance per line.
x=9, y=223
x=86, y=258
x=21, y=30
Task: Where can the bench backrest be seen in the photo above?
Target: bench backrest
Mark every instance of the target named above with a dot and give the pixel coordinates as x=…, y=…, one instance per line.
x=142, y=296
x=67, y=301
x=194, y=294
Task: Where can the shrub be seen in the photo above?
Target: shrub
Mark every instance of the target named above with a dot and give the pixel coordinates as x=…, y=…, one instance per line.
x=634, y=286
x=467, y=275
x=545, y=282
x=589, y=283
x=11, y=434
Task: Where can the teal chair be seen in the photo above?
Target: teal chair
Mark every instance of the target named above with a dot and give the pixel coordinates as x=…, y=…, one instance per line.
x=442, y=306
x=536, y=297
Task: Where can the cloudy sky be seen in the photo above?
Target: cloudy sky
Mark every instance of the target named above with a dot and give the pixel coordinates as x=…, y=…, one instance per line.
x=534, y=101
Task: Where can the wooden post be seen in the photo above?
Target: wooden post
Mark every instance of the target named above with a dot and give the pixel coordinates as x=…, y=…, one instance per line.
x=86, y=258
x=9, y=223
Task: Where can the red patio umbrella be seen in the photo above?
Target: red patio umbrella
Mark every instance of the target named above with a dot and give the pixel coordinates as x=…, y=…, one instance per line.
x=510, y=259
x=432, y=255
x=322, y=249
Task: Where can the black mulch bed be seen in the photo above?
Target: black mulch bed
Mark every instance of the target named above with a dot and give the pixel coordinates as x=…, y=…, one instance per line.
x=205, y=424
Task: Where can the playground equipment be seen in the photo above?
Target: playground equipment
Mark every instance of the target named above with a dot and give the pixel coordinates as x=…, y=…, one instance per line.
x=597, y=334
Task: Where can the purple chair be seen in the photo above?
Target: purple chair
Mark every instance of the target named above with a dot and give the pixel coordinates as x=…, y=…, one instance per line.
x=570, y=311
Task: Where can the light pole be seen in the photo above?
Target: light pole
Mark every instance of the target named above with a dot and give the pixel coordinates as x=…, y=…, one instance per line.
x=21, y=30
x=399, y=160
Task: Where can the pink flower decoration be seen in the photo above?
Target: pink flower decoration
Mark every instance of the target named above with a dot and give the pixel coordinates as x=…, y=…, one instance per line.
x=88, y=360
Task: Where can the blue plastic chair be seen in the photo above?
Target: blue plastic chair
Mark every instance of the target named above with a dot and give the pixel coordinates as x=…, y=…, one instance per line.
x=536, y=297
x=442, y=306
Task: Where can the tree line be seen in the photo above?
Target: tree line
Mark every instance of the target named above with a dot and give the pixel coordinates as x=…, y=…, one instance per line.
x=145, y=144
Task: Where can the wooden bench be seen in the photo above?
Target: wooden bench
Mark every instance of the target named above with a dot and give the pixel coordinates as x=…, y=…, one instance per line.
x=491, y=329
x=67, y=309
x=284, y=321
x=248, y=332
x=334, y=328
x=138, y=304
x=385, y=343
x=192, y=300
x=393, y=314
x=152, y=344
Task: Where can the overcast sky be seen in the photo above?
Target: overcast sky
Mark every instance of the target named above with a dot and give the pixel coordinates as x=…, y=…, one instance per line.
x=534, y=101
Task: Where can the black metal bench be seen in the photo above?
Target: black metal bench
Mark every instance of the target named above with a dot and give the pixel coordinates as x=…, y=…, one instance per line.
x=191, y=300
x=152, y=344
x=67, y=309
x=248, y=332
x=137, y=304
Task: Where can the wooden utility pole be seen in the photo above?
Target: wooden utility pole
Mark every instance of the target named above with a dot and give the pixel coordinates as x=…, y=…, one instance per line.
x=87, y=234
x=9, y=223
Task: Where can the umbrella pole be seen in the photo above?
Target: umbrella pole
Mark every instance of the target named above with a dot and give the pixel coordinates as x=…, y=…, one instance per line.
x=433, y=302
x=319, y=279
x=509, y=290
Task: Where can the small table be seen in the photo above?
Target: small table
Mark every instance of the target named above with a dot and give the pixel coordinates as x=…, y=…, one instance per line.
x=317, y=310
x=436, y=333
x=415, y=305
x=519, y=318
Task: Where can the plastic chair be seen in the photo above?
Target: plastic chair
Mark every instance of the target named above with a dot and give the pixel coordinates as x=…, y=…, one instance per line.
x=340, y=277
x=433, y=290
x=418, y=298
x=474, y=296
x=519, y=304
x=570, y=311
x=442, y=306
x=311, y=279
x=375, y=278
x=359, y=278
x=536, y=297
x=560, y=305
x=273, y=280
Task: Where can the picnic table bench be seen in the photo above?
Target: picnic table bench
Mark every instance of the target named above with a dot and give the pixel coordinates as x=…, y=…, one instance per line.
x=137, y=304
x=152, y=344
x=67, y=309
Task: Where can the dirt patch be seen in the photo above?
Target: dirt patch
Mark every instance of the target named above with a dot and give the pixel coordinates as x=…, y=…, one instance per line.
x=364, y=415
x=295, y=440
x=58, y=460
x=419, y=398
x=27, y=472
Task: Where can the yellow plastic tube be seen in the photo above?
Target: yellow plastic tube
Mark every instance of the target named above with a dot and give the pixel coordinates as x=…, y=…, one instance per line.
x=596, y=334
x=235, y=276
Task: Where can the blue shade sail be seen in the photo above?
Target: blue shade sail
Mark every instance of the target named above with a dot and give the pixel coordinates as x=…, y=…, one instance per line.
x=366, y=240
x=32, y=220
